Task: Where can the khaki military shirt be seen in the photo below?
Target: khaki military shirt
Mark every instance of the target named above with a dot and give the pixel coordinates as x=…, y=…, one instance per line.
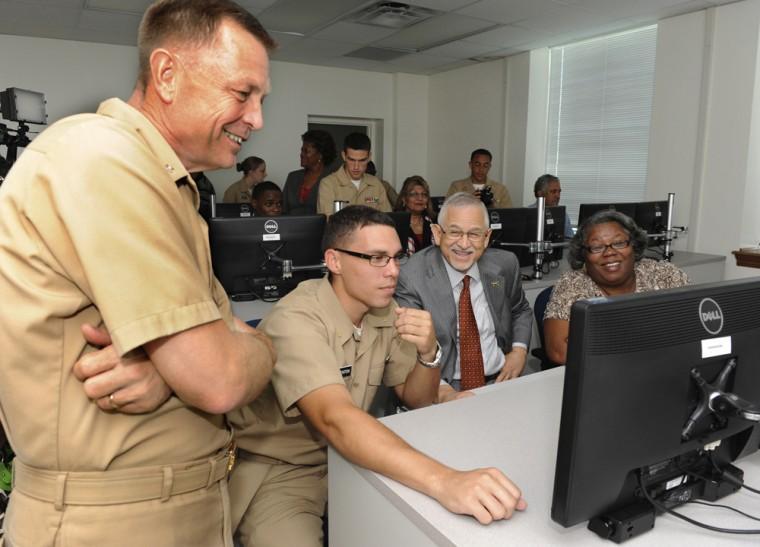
x=238, y=193
x=338, y=186
x=99, y=224
x=315, y=344
x=501, y=198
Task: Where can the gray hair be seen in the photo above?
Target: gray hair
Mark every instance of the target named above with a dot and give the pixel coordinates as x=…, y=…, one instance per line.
x=576, y=254
x=542, y=183
x=461, y=200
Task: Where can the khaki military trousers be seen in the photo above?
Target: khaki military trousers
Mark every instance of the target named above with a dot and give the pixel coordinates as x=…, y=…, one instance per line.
x=189, y=505
x=277, y=504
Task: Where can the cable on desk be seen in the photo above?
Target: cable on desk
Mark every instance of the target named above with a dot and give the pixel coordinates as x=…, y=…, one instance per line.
x=660, y=507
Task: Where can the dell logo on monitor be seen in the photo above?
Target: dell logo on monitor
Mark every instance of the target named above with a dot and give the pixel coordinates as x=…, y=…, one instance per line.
x=271, y=226
x=711, y=315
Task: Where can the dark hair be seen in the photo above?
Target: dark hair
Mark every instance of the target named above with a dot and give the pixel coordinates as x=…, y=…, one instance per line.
x=251, y=163
x=576, y=254
x=371, y=169
x=409, y=183
x=348, y=220
x=193, y=22
x=543, y=182
x=357, y=141
x=264, y=186
x=481, y=152
x=323, y=142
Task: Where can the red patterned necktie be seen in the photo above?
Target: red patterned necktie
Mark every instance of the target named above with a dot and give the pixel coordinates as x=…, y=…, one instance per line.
x=470, y=355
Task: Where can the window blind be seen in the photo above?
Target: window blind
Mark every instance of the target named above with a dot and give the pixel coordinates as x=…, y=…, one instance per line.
x=600, y=103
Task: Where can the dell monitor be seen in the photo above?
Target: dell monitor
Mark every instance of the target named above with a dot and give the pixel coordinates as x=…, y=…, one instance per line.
x=589, y=209
x=518, y=225
x=261, y=258
x=634, y=421
x=233, y=210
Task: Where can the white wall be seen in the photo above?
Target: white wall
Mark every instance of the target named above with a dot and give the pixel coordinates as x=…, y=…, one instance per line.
x=76, y=76
x=466, y=111
x=705, y=134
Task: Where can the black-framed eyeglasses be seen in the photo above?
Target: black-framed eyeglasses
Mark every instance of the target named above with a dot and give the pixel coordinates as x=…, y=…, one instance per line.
x=598, y=249
x=455, y=235
x=379, y=261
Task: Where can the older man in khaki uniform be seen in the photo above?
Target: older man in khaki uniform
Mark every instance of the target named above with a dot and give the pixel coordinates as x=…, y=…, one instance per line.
x=74, y=251
x=338, y=340
x=480, y=165
x=351, y=183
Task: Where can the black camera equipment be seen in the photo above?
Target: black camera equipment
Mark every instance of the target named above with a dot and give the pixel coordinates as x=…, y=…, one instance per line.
x=21, y=106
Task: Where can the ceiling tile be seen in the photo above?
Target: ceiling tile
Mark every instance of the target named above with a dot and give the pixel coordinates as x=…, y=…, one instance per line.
x=310, y=47
x=421, y=61
x=353, y=33
x=131, y=6
x=434, y=31
x=461, y=49
x=509, y=11
x=306, y=16
x=508, y=35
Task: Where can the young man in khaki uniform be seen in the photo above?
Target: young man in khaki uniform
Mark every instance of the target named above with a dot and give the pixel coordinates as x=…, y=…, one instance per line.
x=102, y=460
x=337, y=340
x=480, y=165
x=351, y=183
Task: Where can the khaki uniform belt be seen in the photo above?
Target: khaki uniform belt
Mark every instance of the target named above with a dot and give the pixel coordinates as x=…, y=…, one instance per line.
x=119, y=486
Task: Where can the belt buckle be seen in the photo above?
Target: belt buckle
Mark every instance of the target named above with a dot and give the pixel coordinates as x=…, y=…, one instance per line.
x=231, y=456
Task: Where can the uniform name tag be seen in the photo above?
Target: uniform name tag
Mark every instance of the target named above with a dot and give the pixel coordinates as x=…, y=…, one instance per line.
x=345, y=371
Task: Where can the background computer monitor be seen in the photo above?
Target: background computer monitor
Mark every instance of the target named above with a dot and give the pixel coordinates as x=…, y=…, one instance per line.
x=241, y=250
x=588, y=209
x=518, y=225
x=402, y=220
x=233, y=210
x=437, y=202
x=628, y=393
x=652, y=216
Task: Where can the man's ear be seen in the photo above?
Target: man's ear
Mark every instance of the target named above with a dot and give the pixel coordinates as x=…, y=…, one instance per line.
x=164, y=74
x=332, y=260
x=436, y=233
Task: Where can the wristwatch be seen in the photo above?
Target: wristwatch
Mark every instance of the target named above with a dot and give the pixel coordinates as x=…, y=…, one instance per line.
x=435, y=363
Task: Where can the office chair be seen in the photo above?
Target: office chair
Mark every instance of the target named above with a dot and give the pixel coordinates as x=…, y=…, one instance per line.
x=539, y=307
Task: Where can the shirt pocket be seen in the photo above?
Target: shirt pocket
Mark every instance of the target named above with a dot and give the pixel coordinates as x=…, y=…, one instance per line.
x=376, y=373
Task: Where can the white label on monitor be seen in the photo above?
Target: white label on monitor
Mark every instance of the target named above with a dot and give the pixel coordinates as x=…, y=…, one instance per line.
x=713, y=347
x=245, y=214
x=658, y=213
x=672, y=483
x=270, y=237
x=496, y=226
x=550, y=221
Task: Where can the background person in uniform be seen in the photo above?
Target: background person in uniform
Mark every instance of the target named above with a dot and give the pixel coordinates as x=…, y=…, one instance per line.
x=338, y=339
x=480, y=165
x=302, y=186
x=434, y=279
x=254, y=171
x=607, y=259
x=548, y=187
x=74, y=252
x=267, y=199
x=351, y=183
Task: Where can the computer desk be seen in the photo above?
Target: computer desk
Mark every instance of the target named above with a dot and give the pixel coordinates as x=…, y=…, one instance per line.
x=513, y=426
x=700, y=267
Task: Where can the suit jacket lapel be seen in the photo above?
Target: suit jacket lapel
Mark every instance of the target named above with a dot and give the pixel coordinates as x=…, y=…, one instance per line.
x=494, y=288
x=440, y=287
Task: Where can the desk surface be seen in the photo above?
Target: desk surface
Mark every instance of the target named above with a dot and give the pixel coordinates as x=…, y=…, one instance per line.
x=520, y=426
x=256, y=309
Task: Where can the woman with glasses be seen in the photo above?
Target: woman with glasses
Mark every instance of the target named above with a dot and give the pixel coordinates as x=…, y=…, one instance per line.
x=607, y=259
x=415, y=198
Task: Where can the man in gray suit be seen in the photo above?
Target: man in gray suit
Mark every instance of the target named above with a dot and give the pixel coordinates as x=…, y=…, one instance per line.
x=434, y=278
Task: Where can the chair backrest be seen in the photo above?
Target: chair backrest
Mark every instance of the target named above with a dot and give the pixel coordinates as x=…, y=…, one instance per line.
x=539, y=307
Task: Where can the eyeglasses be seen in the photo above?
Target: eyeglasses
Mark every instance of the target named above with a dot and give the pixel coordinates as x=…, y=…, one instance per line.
x=379, y=261
x=598, y=249
x=455, y=235
x=418, y=194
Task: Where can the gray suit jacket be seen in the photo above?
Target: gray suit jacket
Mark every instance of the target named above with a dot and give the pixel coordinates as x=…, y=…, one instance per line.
x=424, y=284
